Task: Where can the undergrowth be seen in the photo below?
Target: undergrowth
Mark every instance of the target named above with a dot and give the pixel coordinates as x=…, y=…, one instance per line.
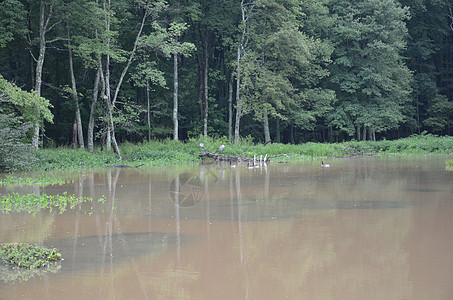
x=170, y=152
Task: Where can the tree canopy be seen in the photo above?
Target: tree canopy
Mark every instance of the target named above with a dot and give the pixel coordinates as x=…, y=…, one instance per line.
x=275, y=70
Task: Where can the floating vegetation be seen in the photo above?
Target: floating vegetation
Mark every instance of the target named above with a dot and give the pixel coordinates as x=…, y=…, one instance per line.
x=41, y=181
x=449, y=165
x=20, y=261
x=33, y=203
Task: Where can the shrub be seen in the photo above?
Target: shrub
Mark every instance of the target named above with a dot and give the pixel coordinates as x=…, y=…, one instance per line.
x=15, y=153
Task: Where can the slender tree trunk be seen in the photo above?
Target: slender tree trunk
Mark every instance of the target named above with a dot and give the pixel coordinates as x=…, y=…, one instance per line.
x=148, y=110
x=267, y=135
x=277, y=129
x=238, y=98
x=131, y=56
x=175, y=94
x=200, y=89
x=74, y=95
x=111, y=101
x=230, y=110
x=108, y=102
x=99, y=75
x=291, y=133
x=241, y=46
x=74, y=134
x=205, y=117
x=90, y=132
x=43, y=22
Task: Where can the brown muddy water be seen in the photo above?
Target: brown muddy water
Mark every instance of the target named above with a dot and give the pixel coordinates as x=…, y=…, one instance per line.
x=365, y=228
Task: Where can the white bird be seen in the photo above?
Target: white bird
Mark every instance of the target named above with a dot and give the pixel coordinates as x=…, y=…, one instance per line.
x=202, y=145
x=221, y=148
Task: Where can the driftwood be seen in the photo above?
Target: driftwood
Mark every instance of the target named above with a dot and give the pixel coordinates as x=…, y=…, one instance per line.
x=125, y=166
x=224, y=157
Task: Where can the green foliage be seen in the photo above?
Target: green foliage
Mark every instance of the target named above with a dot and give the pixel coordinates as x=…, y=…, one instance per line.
x=170, y=152
x=326, y=69
x=369, y=75
x=28, y=256
x=32, y=203
x=440, y=114
x=66, y=158
x=12, y=21
x=15, y=152
x=282, y=66
x=12, y=180
x=33, y=108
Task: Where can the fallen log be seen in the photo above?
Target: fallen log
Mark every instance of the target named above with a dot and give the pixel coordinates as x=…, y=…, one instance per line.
x=125, y=166
x=225, y=157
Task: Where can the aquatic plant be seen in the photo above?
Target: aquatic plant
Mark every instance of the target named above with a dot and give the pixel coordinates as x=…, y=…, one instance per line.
x=33, y=203
x=28, y=256
x=41, y=180
x=20, y=261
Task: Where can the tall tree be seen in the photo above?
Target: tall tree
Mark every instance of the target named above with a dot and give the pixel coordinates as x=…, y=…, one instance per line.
x=282, y=65
x=47, y=22
x=430, y=58
x=246, y=12
x=369, y=74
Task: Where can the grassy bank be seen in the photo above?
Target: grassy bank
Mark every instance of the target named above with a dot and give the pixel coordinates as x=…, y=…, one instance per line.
x=169, y=152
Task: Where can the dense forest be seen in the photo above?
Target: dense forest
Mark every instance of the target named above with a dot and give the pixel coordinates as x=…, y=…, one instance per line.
x=102, y=72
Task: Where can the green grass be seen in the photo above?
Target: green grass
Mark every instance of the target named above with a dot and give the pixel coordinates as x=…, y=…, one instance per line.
x=169, y=152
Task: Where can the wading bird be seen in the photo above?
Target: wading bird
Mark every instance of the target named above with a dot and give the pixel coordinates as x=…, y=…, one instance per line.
x=202, y=146
x=221, y=148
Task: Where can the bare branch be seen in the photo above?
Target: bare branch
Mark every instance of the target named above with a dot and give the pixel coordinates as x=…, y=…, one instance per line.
x=32, y=56
x=451, y=18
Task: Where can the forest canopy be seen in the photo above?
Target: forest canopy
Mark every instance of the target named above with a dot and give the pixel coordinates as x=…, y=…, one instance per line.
x=111, y=71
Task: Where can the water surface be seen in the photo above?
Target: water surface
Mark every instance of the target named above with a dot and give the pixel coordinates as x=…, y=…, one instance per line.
x=365, y=228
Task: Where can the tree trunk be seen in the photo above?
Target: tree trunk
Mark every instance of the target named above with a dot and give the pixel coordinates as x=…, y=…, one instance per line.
x=75, y=96
x=74, y=134
x=148, y=110
x=267, y=135
x=200, y=89
x=43, y=22
x=99, y=76
x=111, y=101
x=90, y=133
x=277, y=129
x=205, y=116
x=175, y=94
x=230, y=110
x=238, y=98
x=241, y=47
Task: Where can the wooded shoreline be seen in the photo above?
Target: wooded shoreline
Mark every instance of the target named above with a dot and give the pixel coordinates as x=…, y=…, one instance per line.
x=170, y=152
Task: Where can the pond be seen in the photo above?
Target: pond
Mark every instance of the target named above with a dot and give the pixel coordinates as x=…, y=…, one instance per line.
x=364, y=228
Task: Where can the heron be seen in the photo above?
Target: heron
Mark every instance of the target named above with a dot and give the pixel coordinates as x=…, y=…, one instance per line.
x=221, y=148
x=202, y=145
